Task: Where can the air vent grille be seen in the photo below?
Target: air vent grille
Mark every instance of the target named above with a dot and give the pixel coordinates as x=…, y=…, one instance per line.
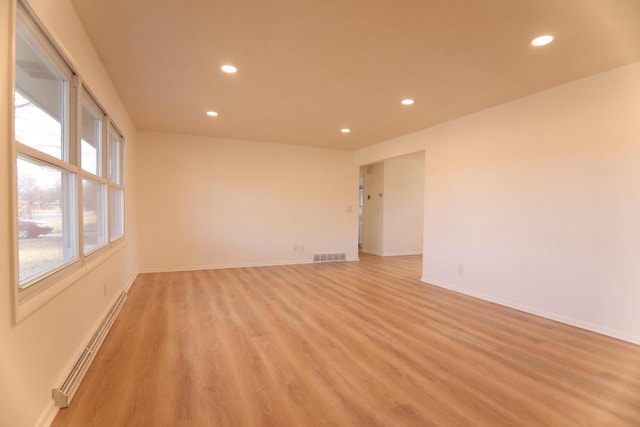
x=331, y=257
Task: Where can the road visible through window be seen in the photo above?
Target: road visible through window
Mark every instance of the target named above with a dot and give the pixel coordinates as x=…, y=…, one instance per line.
x=40, y=243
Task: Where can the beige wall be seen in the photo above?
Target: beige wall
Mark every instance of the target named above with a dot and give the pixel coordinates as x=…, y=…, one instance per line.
x=535, y=203
x=37, y=352
x=214, y=203
x=403, y=198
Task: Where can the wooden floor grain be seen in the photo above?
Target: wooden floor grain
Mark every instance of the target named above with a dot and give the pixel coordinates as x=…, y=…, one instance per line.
x=358, y=343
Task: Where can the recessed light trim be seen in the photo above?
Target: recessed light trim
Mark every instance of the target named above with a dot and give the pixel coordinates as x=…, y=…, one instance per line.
x=345, y=130
x=229, y=69
x=212, y=114
x=407, y=101
x=542, y=40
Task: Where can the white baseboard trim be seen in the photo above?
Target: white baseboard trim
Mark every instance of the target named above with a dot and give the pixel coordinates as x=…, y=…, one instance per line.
x=371, y=251
x=221, y=266
x=402, y=253
x=49, y=414
x=130, y=283
x=382, y=253
x=634, y=339
x=235, y=265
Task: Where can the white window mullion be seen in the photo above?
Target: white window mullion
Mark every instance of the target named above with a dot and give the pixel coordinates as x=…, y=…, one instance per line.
x=94, y=184
x=39, y=157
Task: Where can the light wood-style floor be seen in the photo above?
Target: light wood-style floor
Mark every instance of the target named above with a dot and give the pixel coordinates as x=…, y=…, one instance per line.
x=345, y=344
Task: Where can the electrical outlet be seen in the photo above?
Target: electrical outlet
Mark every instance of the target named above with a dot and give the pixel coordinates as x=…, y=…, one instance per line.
x=460, y=268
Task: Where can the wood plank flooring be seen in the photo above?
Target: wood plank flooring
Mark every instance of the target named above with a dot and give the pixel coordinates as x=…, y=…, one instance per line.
x=345, y=344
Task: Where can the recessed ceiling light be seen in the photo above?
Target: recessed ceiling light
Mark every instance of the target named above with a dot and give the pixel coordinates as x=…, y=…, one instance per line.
x=542, y=40
x=212, y=113
x=407, y=101
x=345, y=130
x=229, y=69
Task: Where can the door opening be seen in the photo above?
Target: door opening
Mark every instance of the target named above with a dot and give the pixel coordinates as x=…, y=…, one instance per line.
x=360, y=208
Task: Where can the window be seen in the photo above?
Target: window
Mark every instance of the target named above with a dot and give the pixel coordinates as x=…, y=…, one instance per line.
x=116, y=185
x=41, y=99
x=94, y=182
x=46, y=179
x=46, y=204
x=94, y=204
x=69, y=163
x=91, y=142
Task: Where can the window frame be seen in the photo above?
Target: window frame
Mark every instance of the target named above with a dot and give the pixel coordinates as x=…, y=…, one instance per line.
x=29, y=29
x=31, y=294
x=87, y=98
x=100, y=178
x=111, y=184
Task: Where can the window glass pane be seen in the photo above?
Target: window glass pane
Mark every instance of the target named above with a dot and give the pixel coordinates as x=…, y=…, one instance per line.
x=40, y=101
x=115, y=158
x=46, y=212
x=91, y=139
x=94, y=214
x=116, y=213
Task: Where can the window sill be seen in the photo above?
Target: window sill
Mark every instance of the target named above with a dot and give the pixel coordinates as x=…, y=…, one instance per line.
x=50, y=287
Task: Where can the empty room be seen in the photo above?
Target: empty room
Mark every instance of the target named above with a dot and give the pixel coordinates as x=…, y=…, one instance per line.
x=300, y=213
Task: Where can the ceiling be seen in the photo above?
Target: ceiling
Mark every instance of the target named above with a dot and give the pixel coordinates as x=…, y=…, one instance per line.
x=308, y=68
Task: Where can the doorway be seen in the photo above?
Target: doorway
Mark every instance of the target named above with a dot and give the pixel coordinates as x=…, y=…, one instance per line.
x=391, y=206
x=360, y=209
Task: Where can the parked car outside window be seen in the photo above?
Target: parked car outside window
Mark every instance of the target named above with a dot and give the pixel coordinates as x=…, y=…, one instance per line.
x=29, y=228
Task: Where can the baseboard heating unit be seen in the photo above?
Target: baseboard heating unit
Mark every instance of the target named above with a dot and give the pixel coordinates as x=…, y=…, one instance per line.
x=65, y=393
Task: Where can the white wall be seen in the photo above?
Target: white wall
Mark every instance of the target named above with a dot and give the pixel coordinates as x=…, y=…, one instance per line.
x=539, y=201
x=213, y=203
x=403, y=198
x=37, y=352
x=373, y=209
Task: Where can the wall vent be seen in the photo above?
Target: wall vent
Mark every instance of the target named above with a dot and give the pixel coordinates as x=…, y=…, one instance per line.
x=63, y=395
x=338, y=256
